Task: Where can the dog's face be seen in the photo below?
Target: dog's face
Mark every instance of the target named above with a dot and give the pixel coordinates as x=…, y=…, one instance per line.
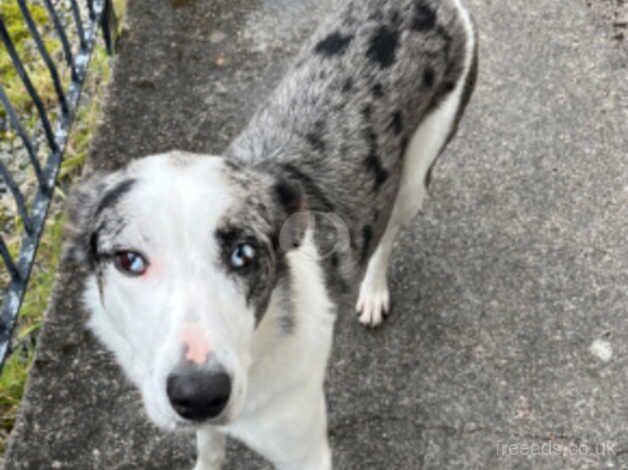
x=183, y=254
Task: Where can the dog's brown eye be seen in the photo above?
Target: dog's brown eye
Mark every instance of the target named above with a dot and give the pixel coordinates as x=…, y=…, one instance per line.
x=130, y=263
x=242, y=256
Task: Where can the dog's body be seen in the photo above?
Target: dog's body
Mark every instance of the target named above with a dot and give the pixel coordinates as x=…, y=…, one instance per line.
x=219, y=310
x=379, y=82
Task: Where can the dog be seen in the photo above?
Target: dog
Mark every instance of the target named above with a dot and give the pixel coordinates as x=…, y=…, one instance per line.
x=209, y=278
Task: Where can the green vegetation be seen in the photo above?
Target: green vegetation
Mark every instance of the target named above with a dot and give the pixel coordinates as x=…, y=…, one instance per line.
x=34, y=65
x=15, y=372
x=13, y=376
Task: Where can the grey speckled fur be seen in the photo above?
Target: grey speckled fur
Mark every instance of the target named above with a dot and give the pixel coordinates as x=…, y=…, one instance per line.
x=340, y=121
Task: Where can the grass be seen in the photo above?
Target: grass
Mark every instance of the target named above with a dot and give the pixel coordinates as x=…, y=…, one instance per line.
x=17, y=366
x=36, y=68
x=15, y=372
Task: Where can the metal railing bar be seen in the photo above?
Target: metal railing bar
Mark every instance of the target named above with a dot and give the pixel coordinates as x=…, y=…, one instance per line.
x=107, y=23
x=28, y=144
x=4, y=34
x=67, y=50
x=54, y=74
x=7, y=322
x=10, y=308
x=19, y=198
x=76, y=12
x=90, y=7
x=8, y=261
x=24, y=264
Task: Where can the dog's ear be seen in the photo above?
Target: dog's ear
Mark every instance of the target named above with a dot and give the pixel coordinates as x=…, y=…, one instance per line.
x=82, y=207
x=293, y=217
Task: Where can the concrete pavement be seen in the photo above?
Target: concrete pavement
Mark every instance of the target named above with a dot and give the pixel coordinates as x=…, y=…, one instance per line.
x=510, y=294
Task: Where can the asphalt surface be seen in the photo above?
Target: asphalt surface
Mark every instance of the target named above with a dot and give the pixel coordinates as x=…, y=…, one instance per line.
x=509, y=335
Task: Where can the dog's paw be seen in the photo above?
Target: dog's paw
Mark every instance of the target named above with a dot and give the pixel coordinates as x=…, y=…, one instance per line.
x=217, y=465
x=373, y=302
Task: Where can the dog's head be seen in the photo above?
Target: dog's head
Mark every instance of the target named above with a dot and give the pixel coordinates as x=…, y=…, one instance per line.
x=183, y=254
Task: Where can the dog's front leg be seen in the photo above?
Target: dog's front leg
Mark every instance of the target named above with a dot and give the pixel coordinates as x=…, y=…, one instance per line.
x=210, y=444
x=319, y=459
x=305, y=445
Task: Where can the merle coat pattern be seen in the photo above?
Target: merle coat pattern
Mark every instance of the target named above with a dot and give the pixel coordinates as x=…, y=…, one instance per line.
x=341, y=120
x=205, y=275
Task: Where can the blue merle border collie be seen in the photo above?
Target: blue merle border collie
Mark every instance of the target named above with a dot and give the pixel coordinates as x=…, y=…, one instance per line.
x=209, y=277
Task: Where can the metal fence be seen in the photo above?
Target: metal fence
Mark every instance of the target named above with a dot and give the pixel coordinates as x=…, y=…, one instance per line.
x=76, y=27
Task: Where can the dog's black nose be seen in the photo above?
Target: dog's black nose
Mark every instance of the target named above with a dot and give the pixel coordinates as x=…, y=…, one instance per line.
x=198, y=395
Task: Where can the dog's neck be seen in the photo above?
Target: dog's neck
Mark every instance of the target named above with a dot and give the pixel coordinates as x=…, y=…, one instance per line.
x=298, y=324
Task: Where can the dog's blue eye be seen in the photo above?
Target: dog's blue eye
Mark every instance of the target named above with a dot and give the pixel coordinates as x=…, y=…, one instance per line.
x=242, y=256
x=130, y=263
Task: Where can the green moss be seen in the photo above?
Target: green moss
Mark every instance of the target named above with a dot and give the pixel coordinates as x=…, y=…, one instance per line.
x=12, y=382
x=42, y=277
x=27, y=51
x=15, y=372
x=86, y=118
x=119, y=6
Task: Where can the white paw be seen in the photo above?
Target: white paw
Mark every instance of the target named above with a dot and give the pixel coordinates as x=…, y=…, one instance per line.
x=211, y=463
x=373, y=302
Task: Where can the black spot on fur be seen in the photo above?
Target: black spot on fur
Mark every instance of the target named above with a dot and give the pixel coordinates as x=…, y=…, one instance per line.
x=373, y=163
x=377, y=16
x=404, y=147
x=424, y=17
x=447, y=39
x=288, y=195
x=428, y=77
x=112, y=196
x=93, y=249
x=396, y=123
x=348, y=85
x=228, y=236
x=367, y=237
x=335, y=260
x=367, y=110
x=315, y=137
x=448, y=87
x=231, y=165
x=316, y=199
x=383, y=47
x=377, y=90
x=334, y=44
x=395, y=17
x=316, y=141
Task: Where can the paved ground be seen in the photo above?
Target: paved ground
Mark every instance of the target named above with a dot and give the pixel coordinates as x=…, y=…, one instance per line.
x=510, y=291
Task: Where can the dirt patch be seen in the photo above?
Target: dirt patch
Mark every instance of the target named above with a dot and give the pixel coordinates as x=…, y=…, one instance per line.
x=615, y=12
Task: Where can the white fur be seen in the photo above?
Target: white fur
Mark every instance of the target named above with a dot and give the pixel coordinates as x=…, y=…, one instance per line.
x=277, y=404
x=374, y=297
x=284, y=417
